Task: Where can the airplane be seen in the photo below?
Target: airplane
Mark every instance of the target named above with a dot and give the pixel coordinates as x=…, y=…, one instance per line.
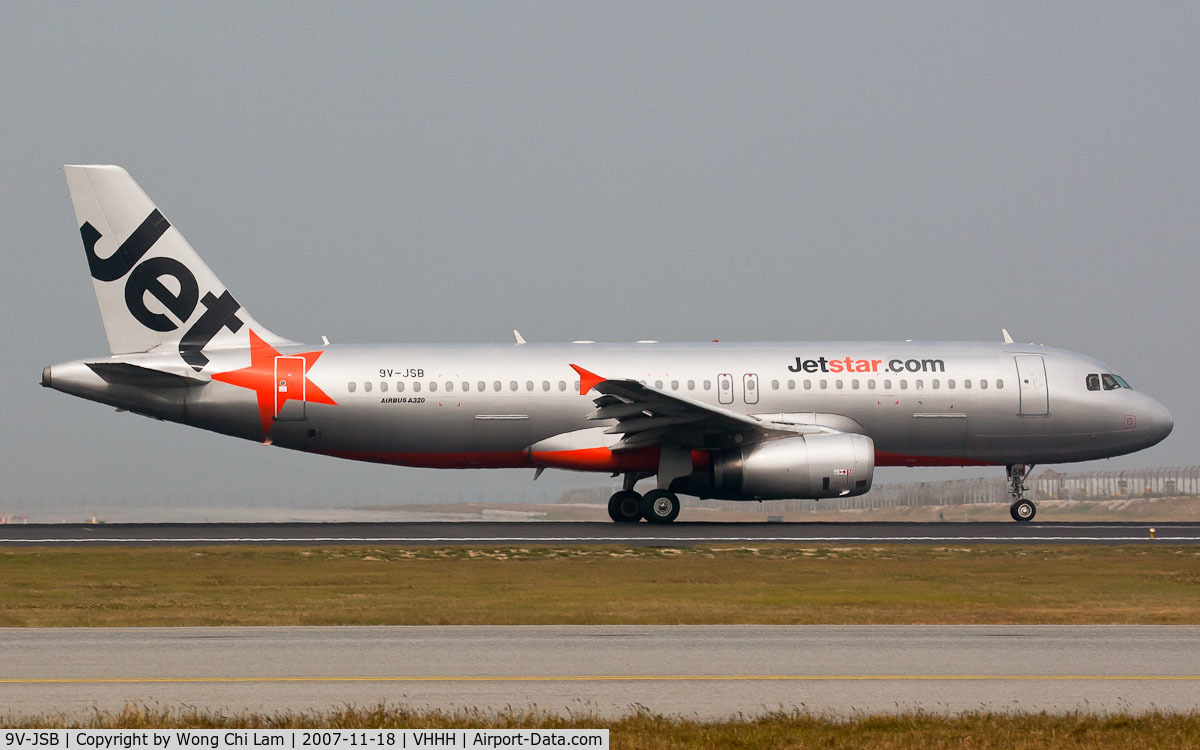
x=732, y=421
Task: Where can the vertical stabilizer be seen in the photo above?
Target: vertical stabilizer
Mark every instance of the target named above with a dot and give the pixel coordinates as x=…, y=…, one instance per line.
x=155, y=293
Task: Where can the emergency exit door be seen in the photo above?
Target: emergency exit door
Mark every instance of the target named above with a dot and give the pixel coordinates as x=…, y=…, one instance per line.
x=1031, y=379
x=750, y=388
x=725, y=388
x=289, y=388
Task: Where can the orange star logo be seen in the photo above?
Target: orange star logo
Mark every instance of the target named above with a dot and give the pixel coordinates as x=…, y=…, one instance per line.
x=269, y=376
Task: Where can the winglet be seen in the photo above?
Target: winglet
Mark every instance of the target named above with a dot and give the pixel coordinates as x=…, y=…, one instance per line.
x=1007, y=339
x=520, y=338
x=587, y=380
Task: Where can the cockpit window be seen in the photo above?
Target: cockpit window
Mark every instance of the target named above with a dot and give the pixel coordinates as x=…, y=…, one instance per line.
x=1123, y=382
x=1093, y=382
x=1110, y=383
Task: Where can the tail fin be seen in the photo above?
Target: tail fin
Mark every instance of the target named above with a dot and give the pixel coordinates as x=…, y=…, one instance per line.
x=155, y=293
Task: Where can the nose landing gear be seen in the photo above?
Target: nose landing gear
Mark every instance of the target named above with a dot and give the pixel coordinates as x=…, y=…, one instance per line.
x=1022, y=510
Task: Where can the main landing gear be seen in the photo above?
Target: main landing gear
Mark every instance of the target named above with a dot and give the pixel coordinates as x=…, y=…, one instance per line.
x=656, y=506
x=1022, y=510
x=625, y=507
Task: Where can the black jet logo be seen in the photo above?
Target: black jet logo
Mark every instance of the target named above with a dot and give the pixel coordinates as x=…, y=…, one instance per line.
x=147, y=276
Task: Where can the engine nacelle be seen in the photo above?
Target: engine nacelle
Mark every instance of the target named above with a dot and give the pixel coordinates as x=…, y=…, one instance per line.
x=802, y=467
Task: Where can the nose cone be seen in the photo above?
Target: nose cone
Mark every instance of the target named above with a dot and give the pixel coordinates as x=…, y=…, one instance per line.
x=1159, y=420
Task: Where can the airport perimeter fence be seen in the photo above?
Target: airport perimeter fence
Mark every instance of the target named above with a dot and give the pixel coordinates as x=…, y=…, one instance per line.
x=1174, y=481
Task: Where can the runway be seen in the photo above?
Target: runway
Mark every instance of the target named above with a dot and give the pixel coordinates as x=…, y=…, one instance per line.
x=641, y=534
x=704, y=671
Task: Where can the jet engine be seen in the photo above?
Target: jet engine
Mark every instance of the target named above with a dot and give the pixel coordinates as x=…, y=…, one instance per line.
x=802, y=467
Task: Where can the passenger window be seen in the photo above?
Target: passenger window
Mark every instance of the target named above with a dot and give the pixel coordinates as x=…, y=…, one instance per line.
x=482, y=386
x=887, y=385
x=674, y=385
x=904, y=385
x=808, y=385
x=791, y=385
x=691, y=385
x=577, y=385
x=400, y=386
x=449, y=386
x=545, y=385
x=529, y=385
x=432, y=386
x=920, y=384
x=1110, y=383
x=824, y=384
x=967, y=384
x=999, y=383
x=839, y=384
x=416, y=386
x=562, y=385
x=950, y=384
x=983, y=384
x=351, y=386
x=367, y=386
x=658, y=384
x=724, y=385
x=707, y=385
x=466, y=386
x=512, y=385
x=497, y=385
x=936, y=384
x=854, y=384
x=774, y=385
x=383, y=387
x=871, y=384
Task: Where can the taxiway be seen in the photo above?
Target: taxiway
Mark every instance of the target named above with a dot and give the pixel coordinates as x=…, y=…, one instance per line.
x=704, y=671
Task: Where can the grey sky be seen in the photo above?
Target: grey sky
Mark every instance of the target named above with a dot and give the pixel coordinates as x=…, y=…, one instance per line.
x=444, y=172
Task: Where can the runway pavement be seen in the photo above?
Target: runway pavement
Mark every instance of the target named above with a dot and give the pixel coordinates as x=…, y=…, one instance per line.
x=643, y=534
x=705, y=671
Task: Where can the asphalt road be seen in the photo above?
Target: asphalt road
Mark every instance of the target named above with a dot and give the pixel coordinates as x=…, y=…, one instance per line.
x=705, y=671
x=429, y=533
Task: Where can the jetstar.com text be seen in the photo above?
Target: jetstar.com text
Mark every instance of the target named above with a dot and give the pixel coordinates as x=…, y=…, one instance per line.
x=850, y=364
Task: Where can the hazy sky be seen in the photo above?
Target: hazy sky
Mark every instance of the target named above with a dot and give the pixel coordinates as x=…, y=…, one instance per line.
x=743, y=171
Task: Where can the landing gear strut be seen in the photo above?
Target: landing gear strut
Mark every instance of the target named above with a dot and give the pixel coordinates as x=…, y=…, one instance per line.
x=1022, y=510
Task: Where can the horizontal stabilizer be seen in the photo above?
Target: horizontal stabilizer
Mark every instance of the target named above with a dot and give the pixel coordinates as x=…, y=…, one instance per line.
x=123, y=373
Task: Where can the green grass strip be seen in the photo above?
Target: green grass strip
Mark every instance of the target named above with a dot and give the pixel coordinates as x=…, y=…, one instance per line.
x=768, y=584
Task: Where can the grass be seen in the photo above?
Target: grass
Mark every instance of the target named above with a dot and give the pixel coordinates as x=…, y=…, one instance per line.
x=976, y=731
x=896, y=584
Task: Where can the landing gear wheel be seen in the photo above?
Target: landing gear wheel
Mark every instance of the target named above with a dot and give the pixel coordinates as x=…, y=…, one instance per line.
x=625, y=507
x=660, y=506
x=1023, y=510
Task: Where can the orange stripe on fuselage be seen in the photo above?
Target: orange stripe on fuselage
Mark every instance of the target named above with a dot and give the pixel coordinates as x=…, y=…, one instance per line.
x=465, y=460
x=884, y=458
x=592, y=459
x=600, y=459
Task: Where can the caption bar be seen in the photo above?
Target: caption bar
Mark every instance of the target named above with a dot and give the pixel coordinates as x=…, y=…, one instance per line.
x=304, y=739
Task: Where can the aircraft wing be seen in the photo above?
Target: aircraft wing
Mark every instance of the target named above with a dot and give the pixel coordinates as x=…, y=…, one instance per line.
x=650, y=416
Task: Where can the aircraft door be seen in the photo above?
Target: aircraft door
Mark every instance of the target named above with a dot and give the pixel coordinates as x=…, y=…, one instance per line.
x=725, y=388
x=1031, y=379
x=750, y=388
x=289, y=388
